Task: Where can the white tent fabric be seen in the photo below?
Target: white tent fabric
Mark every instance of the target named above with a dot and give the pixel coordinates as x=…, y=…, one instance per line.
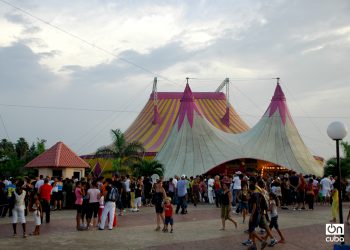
x=195, y=146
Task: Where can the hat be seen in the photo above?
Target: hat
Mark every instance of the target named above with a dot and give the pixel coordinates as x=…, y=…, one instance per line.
x=238, y=172
x=183, y=176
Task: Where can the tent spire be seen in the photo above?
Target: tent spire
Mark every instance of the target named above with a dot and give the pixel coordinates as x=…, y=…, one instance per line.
x=188, y=107
x=226, y=118
x=156, y=117
x=278, y=103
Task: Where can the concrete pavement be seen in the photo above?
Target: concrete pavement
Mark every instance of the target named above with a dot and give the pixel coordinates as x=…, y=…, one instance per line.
x=197, y=230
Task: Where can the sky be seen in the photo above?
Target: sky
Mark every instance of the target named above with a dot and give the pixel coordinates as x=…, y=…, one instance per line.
x=73, y=70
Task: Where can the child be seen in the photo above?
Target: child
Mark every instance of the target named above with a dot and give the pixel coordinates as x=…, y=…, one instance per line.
x=168, y=215
x=273, y=203
x=37, y=212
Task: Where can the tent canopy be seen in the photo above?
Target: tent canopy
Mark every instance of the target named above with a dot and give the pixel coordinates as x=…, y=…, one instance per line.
x=195, y=146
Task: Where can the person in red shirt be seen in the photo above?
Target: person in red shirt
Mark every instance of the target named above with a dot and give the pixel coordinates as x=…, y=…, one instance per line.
x=45, y=197
x=168, y=215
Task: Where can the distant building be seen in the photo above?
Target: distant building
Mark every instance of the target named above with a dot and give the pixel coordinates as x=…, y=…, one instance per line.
x=59, y=161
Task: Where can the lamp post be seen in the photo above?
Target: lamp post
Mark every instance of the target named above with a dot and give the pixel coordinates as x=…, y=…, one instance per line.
x=337, y=131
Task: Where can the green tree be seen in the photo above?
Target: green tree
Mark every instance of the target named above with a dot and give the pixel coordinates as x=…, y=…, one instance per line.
x=147, y=168
x=122, y=152
x=40, y=146
x=14, y=156
x=331, y=164
x=22, y=148
x=7, y=149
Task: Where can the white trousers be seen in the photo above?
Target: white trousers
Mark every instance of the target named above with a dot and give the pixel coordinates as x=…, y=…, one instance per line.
x=137, y=202
x=18, y=214
x=210, y=196
x=108, y=210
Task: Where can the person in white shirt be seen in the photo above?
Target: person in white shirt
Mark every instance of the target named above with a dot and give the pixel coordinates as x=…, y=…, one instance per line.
x=236, y=187
x=127, y=192
x=210, y=189
x=94, y=204
x=326, y=184
x=18, y=209
x=176, y=178
x=39, y=183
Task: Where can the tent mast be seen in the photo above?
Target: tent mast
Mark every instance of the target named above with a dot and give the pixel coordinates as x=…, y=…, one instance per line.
x=156, y=117
x=226, y=83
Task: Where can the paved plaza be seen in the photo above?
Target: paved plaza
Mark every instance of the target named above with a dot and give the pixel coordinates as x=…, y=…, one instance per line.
x=199, y=229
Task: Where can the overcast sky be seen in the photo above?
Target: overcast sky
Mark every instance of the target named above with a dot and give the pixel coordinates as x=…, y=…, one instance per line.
x=73, y=70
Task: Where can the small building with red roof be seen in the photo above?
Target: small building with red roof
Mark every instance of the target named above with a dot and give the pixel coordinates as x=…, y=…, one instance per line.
x=59, y=161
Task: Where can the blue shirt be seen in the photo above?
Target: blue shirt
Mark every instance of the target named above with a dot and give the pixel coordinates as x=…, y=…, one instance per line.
x=181, y=188
x=59, y=186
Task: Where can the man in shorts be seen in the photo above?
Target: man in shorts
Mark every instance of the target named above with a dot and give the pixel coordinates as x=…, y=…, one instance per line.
x=257, y=217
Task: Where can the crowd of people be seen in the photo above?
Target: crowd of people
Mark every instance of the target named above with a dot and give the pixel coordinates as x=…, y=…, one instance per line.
x=98, y=200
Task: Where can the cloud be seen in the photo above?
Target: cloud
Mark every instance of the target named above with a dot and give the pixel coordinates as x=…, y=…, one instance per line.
x=201, y=39
x=15, y=18
x=20, y=69
x=118, y=69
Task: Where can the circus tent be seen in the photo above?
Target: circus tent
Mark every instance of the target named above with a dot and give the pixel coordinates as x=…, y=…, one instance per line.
x=155, y=122
x=195, y=146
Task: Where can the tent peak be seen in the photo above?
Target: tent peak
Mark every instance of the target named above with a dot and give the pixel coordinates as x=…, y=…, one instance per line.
x=187, y=107
x=187, y=95
x=278, y=102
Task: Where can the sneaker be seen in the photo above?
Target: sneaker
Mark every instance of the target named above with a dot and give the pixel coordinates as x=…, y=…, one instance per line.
x=263, y=245
x=171, y=231
x=247, y=243
x=273, y=242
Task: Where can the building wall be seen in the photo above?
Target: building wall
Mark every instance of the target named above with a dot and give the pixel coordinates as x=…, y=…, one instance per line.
x=45, y=172
x=66, y=172
x=69, y=172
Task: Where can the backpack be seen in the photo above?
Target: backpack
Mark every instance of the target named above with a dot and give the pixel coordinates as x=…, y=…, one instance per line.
x=113, y=195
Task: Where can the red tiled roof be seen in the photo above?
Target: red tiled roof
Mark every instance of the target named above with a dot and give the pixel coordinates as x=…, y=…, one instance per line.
x=58, y=156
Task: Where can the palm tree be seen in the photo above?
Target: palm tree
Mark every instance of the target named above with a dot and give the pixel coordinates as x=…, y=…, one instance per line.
x=331, y=164
x=123, y=152
x=22, y=148
x=148, y=168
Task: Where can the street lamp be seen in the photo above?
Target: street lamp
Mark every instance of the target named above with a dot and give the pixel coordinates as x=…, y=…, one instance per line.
x=337, y=131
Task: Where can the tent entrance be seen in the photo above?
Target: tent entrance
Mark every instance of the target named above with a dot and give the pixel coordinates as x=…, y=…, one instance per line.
x=249, y=167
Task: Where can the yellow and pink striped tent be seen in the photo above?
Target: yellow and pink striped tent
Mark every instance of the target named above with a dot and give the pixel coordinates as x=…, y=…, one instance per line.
x=153, y=129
